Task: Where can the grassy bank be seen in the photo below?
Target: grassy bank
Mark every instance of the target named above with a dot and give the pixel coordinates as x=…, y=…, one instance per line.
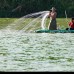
x=4, y=22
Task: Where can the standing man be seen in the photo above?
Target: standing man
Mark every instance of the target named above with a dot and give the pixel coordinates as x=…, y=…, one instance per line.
x=53, y=23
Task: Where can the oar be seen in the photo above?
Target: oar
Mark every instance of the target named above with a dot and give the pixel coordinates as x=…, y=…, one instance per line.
x=67, y=18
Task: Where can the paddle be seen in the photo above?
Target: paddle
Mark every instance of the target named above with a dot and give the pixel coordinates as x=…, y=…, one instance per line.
x=67, y=19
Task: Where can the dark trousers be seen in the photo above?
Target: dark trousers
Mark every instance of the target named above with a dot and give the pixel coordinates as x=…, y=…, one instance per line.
x=69, y=28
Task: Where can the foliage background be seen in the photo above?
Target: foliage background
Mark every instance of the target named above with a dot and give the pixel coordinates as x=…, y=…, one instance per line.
x=18, y=8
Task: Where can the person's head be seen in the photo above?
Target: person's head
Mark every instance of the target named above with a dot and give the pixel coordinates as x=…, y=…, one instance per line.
x=73, y=19
x=53, y=9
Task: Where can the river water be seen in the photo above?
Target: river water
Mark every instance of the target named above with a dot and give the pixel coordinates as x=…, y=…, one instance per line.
x=35, y=52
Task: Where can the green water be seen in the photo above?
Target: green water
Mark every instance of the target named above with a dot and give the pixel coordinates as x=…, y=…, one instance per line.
x=36, y=52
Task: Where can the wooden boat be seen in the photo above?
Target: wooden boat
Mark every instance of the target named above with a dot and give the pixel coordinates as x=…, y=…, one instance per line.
x=54, y=31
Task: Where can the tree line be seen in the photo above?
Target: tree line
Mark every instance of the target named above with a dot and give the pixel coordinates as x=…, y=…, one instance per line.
x=19, y=8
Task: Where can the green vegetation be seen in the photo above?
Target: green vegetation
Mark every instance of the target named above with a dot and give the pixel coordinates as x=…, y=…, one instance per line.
x=4, y=22
x=18, y=8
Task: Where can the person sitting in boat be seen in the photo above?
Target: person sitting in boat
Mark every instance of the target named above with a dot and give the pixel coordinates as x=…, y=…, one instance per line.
x=53, y=24
x=71, y=24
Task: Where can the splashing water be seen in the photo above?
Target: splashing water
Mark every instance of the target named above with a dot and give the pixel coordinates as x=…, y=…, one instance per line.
x=30, y=22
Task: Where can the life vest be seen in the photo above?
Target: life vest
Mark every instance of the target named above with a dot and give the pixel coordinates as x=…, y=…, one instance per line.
x=71, y=24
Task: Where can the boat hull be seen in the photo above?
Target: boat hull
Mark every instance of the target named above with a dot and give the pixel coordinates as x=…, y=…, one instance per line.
x=54, y=31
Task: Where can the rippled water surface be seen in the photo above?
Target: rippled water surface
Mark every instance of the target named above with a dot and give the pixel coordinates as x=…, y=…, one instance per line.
x=36, y=52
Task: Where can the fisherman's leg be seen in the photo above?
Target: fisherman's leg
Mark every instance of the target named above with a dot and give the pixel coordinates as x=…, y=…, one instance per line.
x=49, y=26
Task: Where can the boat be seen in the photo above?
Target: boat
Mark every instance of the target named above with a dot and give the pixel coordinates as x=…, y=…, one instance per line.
x=54, y=31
